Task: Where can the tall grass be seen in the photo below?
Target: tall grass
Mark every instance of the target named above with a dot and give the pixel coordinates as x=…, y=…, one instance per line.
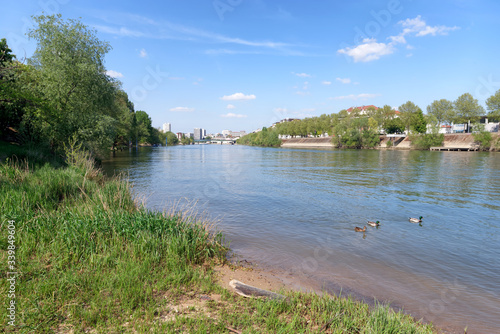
x=86, y=254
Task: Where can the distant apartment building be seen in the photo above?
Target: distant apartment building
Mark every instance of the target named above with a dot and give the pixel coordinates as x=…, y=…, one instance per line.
x=198, y=134
x=233, y=134
x=167, y=127
x=179, y=135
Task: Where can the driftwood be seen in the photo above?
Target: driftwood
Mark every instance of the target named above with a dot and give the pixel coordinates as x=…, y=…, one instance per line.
x=251, y=291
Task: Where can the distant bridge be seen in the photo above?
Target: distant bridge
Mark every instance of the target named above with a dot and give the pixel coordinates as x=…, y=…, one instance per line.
x=226, y=141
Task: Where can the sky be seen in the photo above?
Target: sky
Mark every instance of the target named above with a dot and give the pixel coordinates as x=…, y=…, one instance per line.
x=244, y=64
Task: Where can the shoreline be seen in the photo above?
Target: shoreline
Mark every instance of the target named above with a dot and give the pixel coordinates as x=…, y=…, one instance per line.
x=452, y=142
x=278, y=280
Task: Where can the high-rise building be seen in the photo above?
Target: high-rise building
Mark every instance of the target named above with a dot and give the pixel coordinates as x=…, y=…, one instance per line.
x=167, y=127
x=198, y=134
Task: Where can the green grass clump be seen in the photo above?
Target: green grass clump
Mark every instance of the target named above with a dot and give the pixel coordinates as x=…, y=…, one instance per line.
x=87, y=257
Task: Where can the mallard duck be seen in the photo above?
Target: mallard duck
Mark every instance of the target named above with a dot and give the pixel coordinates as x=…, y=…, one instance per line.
x=374, y=224
x=415, y=220
x=359, y=229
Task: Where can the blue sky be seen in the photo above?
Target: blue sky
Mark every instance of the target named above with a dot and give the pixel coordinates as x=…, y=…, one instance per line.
x=244, y=64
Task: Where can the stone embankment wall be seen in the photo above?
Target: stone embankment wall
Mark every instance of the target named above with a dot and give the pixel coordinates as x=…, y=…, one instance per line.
x=456, y=140
x=307, y=142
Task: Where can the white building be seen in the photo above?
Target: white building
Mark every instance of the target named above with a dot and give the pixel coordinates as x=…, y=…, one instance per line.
x=167, y=127
x=198, y=134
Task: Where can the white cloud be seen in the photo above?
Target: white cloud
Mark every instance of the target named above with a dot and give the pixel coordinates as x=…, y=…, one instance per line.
x=182, y=109
x=326, y=82
x=344, y=80
x=231, y=115
x=418, y=27
x=302, y=93
x=280, y=110
x=362, y=96
x=114, y=74
x=302, y=75
x=230, y=106
x=238, y=96
x=162, y=29
x=143, y=53
x=122, y=31
x=368, y=51
x=398, y=39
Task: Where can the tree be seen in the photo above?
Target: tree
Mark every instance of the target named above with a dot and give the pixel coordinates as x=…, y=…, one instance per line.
x=407, y=113
x=394, y=125
x=171, y=138
x=468, y=109
x=419, y=123
x=10, y=110
x=144, y=128
x=71, y=78
x=493, y=105
x=442, y=110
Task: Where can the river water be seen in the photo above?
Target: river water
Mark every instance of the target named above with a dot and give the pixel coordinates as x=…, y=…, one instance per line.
x=295, y=210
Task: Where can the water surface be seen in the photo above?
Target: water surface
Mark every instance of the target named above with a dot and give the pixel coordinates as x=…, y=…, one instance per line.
x=296, y=209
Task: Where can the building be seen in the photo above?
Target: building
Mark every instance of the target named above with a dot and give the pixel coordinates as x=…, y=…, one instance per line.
x=198, y=134
x=180, y=135
x=167, y=127
x=233, y=134
x=363, y=110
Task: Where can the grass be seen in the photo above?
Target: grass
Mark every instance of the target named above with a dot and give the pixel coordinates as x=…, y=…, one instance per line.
x=90, y=259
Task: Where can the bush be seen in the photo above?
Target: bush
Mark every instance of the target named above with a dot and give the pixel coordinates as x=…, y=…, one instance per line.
x=484, y=139
x=426, y=141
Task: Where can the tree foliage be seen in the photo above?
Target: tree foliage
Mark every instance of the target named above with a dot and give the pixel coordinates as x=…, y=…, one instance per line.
x=493, y=105
x=407, y=114
x=442, y=110
x=64, y=92
x=467, y=109
x=419, y=124
x=265, y=138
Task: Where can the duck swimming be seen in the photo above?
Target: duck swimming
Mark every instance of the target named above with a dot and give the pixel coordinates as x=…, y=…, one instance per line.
x=359, y=229
x=415, y=220
x=374, y=224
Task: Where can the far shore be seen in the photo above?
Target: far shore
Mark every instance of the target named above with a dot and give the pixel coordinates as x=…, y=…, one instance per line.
x=455, y=141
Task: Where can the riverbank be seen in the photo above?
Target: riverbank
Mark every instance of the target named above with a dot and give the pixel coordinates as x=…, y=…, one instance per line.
x=88, y=258
x=458, y=141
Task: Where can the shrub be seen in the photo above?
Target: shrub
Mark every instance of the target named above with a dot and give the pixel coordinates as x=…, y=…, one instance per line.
x=426, y=141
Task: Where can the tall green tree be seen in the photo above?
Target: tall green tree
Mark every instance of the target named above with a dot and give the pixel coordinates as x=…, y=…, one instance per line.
x=419, y=123
x=493, y=105
x=10, y=111
x=468, y=109
x=70, y=75
x=442, y=110
x=407, y=114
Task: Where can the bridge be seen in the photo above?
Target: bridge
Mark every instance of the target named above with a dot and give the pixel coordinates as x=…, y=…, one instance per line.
x=219, y=141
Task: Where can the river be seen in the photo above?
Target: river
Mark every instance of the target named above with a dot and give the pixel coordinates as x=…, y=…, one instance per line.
x=295, y=210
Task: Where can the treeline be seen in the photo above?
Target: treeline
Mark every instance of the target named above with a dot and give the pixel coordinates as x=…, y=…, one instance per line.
x=264, y=138
x=63, y=92
x=362, y=129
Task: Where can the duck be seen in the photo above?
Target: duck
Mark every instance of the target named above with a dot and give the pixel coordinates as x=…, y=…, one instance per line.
x=359, y=229
x=374, y=224
x=415, y=220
